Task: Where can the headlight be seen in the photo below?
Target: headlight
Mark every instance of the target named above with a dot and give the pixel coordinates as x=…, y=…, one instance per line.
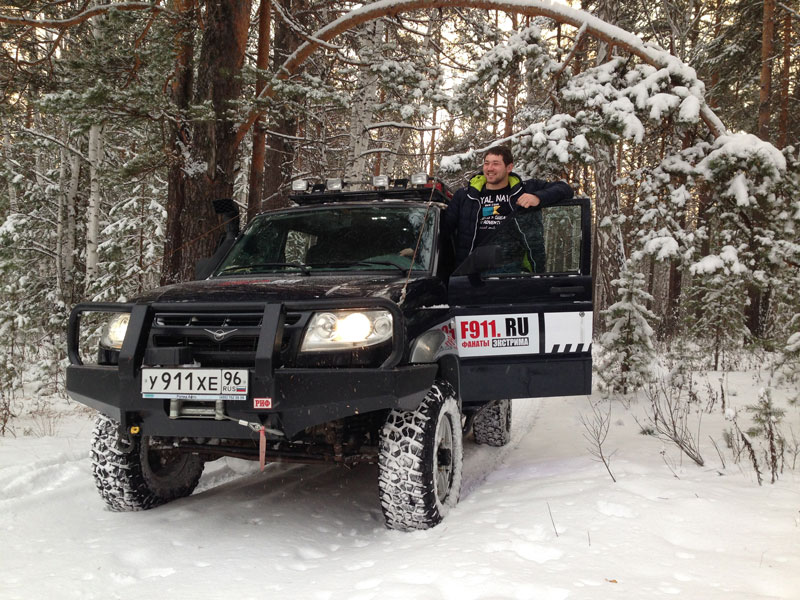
x=114, y=331
x=345, y=330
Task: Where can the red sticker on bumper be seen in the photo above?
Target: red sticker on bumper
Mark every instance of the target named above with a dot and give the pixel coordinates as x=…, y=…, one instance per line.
x=262, y=402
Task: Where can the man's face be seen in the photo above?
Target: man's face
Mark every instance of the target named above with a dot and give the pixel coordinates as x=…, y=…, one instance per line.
x=495, y=170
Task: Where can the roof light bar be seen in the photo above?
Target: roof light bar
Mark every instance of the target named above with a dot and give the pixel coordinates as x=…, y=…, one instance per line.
x=334, y=184
x=380, y=181
x=299, y=185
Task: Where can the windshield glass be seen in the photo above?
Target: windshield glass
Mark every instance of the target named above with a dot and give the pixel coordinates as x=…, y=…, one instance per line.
x=377, y=237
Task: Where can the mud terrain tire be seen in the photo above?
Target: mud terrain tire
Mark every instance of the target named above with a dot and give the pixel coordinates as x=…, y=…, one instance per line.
x=420, y=460
x=492, y=424
x=131, y=476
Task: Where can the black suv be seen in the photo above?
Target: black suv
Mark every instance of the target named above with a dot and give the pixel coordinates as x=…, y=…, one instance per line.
x=340, y=331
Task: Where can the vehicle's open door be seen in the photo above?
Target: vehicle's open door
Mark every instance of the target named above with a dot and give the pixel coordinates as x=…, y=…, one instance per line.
x=522, y=307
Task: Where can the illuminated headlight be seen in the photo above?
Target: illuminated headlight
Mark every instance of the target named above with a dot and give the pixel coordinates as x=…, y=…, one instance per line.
x=114, y=331
x=344, y=330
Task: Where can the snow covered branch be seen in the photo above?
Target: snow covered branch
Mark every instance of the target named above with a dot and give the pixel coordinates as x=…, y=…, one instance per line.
x=58, y=142
x=579, y=19
x=399, y=125
x=80, y=17
x=299, y=30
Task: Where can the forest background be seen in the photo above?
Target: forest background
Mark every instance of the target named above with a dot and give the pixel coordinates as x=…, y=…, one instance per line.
x=120, y=123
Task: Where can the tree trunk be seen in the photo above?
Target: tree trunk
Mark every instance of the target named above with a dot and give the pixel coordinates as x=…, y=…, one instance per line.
x=12, y=187
x=608, y=250
x=256, y=184
x=364, y=101
x=280, y=146
x=783, y=122
x=213, y=147
x=511, y=91
x=181, y=93
x=61, y=219
x=93, y=208
x=713, y=102
x=214, y=140
x=72, y=221
x=767, y=48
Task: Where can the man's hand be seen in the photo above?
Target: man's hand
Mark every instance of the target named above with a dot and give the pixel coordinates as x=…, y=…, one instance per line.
x=528, y=200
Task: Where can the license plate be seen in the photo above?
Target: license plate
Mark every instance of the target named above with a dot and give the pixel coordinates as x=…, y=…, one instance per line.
x=195, y=384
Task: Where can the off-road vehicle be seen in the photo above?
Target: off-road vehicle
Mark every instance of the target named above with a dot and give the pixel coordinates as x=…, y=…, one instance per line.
x=339, y=331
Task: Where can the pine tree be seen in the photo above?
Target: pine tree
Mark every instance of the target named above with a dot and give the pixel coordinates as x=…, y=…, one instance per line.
x=627, y=361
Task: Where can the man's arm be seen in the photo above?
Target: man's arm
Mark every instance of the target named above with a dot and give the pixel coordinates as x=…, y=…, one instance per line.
x=451, y=214
x=542, y=193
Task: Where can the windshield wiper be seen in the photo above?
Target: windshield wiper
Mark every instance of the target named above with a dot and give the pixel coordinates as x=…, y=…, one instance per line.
x=237, y=268
x=344, y=265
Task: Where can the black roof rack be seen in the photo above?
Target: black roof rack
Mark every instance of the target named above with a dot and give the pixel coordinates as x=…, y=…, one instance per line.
x=440, y=193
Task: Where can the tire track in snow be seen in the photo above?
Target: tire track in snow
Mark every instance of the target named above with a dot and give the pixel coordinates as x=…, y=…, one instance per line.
x=20, y=482
x=480, y=461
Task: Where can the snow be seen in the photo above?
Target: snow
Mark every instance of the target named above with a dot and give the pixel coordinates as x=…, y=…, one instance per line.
x=690, y=110
x=537, y=519
x=727, y=261
x=707, y=264
x=739, y=190
x=743, y=147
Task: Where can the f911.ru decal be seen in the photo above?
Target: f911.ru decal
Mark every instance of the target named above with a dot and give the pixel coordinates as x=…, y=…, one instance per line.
x=482, y=335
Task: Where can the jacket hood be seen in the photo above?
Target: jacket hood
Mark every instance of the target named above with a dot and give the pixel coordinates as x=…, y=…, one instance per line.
x=479, y=181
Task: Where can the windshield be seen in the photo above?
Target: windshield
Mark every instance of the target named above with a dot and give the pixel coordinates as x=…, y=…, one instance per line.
x=377, y=237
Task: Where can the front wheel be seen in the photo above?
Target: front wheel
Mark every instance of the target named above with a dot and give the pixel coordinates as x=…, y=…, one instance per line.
x=132, y=475
x=420, y=460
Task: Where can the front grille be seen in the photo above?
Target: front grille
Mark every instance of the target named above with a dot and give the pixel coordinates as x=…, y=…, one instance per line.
x=208, y=320
x=218, y=339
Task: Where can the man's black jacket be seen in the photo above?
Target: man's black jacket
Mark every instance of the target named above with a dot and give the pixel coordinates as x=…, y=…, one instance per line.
x=462, y=214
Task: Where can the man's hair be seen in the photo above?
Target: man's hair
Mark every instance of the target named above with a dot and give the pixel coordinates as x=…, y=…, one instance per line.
x=503, y=151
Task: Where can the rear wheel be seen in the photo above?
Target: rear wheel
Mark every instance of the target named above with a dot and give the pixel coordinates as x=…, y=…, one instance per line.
x=131, y=475
x=420, y=461
x=492, y=424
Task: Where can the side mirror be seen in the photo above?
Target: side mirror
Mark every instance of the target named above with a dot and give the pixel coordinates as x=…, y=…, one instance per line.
x=483, y=258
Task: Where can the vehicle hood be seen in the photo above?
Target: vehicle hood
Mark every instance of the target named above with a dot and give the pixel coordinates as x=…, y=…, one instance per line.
x=283, y=288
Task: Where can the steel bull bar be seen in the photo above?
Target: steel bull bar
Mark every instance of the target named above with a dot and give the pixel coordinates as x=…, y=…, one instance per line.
x=303, y=396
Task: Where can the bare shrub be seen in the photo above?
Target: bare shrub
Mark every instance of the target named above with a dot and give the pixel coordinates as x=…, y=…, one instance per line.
x=767, y=418
x=45, y=421
x=6, y=412
x=596, y=427
x=673, y=399
x=747, y=445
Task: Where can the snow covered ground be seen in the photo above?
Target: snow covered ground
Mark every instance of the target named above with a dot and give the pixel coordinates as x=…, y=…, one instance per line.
x=539, y=519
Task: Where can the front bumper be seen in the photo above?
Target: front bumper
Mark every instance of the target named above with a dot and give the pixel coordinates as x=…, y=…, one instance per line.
x=301, y=397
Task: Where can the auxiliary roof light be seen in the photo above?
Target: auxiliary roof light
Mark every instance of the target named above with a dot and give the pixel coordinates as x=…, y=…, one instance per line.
x=299, y=185
x=334, y=184
x=419, y=179
x=380, y=181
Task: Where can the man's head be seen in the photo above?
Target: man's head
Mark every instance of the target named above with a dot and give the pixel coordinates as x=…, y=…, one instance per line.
x=497, y=164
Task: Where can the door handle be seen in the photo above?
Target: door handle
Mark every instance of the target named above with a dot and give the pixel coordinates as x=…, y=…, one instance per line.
x=569, y=289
